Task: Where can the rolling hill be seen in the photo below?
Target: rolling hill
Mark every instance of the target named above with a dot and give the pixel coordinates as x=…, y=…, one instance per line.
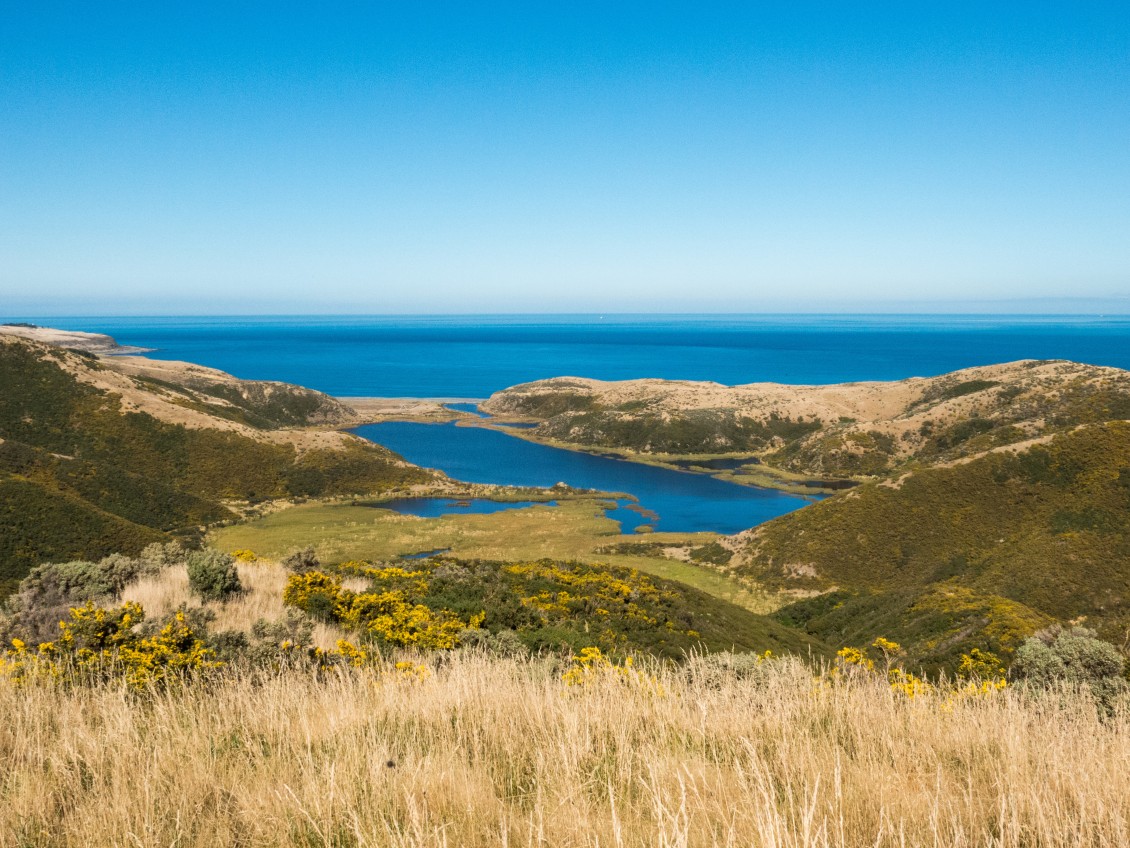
x=852, y=431
x=99, y=455
x=977, y=552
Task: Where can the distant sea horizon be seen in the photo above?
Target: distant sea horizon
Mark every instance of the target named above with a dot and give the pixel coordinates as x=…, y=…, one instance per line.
x=472, y=356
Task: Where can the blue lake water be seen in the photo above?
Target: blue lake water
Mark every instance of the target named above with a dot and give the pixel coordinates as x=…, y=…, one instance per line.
x=473, y=356
x=425, y=554
x=685, y=502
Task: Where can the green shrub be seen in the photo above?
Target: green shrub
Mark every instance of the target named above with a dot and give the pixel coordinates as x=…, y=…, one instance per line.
x=711, y=552
x=1058, y=656
x=301, y=562
x=45, y=596
x=212, y=575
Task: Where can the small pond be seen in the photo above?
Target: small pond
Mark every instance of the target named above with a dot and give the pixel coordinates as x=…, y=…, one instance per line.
x=426, y=554
x=724, y=464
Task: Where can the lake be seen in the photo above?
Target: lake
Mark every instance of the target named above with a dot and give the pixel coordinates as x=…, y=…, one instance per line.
x=684, y=502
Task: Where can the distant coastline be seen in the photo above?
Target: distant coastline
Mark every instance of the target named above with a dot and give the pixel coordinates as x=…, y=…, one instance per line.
x=96, y=343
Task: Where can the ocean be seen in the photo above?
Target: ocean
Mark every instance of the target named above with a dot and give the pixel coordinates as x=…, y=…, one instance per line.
x=473, y=356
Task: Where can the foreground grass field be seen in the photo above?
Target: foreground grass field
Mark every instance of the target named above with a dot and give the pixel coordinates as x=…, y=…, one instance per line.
x=572, y=530
x=469, y=750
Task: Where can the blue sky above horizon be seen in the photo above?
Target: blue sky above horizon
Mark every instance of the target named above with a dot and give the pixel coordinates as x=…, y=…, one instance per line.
x=391, y=158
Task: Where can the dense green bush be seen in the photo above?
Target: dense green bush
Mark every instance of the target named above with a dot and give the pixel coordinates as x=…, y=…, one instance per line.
x=1073, y=656
x=44, y=597
x=212, y=575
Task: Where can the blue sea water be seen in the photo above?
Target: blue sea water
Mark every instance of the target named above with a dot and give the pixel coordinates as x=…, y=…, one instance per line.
x=473, y=356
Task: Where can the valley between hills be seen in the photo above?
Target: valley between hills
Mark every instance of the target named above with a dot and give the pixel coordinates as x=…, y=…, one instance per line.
x=223, y=625
x=968, y=510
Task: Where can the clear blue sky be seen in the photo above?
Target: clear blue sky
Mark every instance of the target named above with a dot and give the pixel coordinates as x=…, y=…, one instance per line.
x=441, y=157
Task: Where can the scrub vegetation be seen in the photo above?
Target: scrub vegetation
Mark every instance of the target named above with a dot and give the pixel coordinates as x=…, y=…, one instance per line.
x=84, y=473
x=575, y=529
x=936, y=656
x=420, y=723
x=983, y=552
x=545, y=604
x=853, y=431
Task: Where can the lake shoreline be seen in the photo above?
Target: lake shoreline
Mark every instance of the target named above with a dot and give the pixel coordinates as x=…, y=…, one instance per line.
x=683, y=502
x=421, y=410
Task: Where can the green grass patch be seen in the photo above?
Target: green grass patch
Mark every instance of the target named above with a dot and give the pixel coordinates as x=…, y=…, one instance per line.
x=573, y=530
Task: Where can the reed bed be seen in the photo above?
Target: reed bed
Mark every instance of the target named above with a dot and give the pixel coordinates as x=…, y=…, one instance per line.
x=482, y=751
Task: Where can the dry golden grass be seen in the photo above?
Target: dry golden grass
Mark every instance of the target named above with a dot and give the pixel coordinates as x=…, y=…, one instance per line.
x=487, y=752
x=263, y=584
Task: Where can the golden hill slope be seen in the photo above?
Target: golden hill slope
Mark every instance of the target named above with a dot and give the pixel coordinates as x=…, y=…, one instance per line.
x=849, y=430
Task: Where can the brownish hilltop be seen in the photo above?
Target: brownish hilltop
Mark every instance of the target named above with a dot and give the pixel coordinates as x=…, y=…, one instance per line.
x=847, y=430
x=98, y=343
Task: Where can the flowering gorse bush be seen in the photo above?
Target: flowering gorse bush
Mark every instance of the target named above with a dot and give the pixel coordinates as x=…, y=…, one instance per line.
x=882, y=657
x=97, y=644
x=588, y=591
x=980, y=673
x=391, y=617
x=591, y=666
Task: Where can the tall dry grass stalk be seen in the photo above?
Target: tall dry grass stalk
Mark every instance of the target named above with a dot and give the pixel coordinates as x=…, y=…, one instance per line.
x=489, y=752
x=263, y=584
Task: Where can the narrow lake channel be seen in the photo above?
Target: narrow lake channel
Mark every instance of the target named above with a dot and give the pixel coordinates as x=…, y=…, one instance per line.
x=684, y=502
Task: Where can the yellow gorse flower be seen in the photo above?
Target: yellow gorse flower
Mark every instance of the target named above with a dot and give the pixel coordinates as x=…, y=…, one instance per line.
x=390, y=616
x=856, y=661
x=591, y=666
x=101, y=644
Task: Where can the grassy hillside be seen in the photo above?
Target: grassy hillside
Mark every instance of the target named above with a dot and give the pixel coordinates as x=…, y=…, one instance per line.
x=977, y=552
x=853, y=430
x=475, y=751
x=257, y=403
x=547, y=604
x=40, y=523
x=86, y=471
